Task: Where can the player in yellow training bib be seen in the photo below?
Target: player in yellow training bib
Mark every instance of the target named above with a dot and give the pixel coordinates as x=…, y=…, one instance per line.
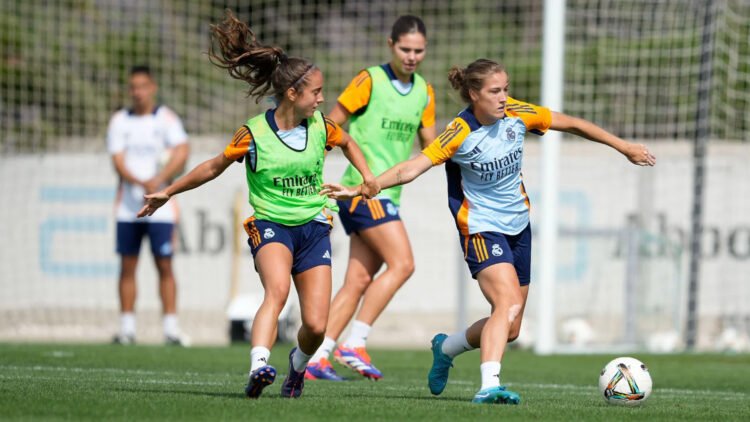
x=283, y=151
x=386, y=106
x=482, y=150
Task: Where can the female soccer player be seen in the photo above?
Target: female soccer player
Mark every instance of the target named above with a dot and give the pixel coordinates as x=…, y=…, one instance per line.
x=483, y=151
x=283, y=150
x=387, y=106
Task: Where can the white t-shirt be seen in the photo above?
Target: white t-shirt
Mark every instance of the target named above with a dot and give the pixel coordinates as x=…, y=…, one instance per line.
x=143, y=139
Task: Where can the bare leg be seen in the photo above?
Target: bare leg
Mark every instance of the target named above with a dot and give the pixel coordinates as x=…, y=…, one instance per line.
x=126, y=285
x=314, y=291
x=274, y=262
x=363, y=264
x=391, y=243
x=167, y=285
x=474, y=332
x=499, y=284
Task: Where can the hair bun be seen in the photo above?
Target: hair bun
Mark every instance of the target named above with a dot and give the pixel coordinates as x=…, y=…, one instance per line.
x=456, y=77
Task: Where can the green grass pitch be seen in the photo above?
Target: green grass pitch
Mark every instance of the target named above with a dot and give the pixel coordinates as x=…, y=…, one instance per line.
x=105, y=382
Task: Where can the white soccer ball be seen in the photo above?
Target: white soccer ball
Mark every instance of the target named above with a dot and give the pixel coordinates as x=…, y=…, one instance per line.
x=625, y=381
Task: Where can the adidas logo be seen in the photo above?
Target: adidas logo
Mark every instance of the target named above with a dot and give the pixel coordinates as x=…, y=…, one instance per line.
x=327, y=255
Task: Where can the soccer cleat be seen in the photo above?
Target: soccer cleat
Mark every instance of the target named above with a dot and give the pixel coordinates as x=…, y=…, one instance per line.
x=124, y=339
x=322, y=370
x=441, y=364
x=294, y=381
x=179, y=340
x=357, y=360
x=260, y=379
x=496, y=395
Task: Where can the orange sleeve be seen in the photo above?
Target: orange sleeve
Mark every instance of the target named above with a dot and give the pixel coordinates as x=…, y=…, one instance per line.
x=445, y=146
x=536, y=118
x=428, y=117
x=334, y=133
x=239, y=145
x=357, y=94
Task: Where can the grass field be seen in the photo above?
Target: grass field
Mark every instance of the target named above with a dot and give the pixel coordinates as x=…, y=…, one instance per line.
x=150, y=382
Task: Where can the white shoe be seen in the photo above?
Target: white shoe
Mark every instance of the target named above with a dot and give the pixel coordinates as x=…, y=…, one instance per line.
x=124, y=339
x=181, y=340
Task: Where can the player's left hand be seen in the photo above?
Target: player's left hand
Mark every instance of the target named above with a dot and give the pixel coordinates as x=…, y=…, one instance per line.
x=340, y=192
x=153, y=202
x=639, y=154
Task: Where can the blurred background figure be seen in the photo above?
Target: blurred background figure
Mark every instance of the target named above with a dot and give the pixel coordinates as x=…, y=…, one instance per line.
x=148, y=145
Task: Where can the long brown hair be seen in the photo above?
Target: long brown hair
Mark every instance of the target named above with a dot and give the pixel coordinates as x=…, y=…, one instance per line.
x=265, y=68
x=471, y=78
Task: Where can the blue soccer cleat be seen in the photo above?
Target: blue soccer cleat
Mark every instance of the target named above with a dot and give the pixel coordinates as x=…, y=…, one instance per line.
x=322, y=370
x=441, y=364
x=358, y=360
x=259, y=379
x=294, y=381
x=496, y=395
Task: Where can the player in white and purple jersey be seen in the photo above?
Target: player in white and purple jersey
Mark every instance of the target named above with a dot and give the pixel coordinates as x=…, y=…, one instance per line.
x=483, y=152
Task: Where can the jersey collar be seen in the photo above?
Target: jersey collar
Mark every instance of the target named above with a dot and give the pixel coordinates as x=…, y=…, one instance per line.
x=391, y=74
x=272, y=122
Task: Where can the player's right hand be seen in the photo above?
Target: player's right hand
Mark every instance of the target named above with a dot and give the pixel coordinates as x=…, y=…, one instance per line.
x=153, y=202
x=340, y=192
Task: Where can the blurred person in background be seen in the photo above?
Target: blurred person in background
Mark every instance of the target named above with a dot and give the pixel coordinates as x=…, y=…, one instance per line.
x=283, y=151
x=148, y=145
x=387, y=106
x=482, y=149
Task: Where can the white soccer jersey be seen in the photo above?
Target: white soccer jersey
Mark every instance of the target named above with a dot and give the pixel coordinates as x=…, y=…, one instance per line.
x=143, y=139
x=483, y=165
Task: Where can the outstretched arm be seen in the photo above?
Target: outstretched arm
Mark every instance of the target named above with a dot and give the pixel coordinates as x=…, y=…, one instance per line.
x=636, y=153
x=399, y=174
x=204, y=172
x=404, y=172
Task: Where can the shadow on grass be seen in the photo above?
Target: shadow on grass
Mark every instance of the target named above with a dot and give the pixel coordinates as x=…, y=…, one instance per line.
x=275, y=396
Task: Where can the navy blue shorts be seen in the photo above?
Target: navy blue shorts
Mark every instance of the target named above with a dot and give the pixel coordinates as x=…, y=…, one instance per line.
x=130, y=235
x=309, y=243
x=357, y=215
x=487, y=248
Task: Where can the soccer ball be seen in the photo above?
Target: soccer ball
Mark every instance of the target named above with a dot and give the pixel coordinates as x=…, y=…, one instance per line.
x=625, y=381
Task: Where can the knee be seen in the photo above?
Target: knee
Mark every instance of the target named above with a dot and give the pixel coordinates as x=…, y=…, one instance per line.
x=276, y=297
x=358, y=281
x=164, y=268
x=403, y=267
x=316, y=327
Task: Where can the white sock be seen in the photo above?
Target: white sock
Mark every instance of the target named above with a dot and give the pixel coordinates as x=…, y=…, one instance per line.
x=456, y=344
x=490, y=374
x=127, y=324
x=324, y=350
x=259, y=356
x=299, y=360
x=171, y=327
x=357, y=335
